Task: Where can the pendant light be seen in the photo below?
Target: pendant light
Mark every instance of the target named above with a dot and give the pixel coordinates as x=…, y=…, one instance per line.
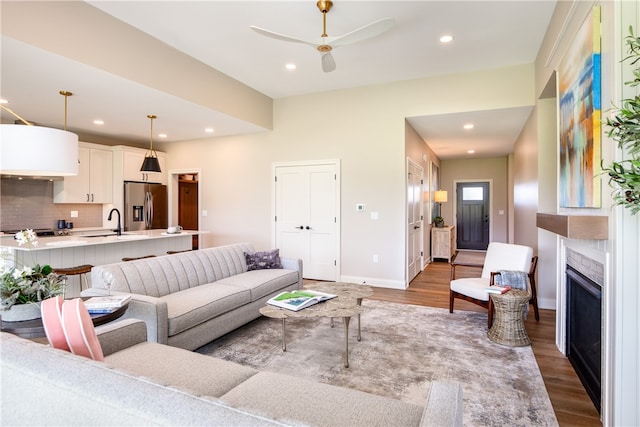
x=37, y=150
x=151, y=163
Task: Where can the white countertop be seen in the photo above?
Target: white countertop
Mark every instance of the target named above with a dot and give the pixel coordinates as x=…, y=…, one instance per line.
x=53, y=242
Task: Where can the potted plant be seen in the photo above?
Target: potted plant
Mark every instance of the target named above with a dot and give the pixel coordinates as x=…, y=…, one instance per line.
x=23, y=288
x=624, y=127
x=438, y=221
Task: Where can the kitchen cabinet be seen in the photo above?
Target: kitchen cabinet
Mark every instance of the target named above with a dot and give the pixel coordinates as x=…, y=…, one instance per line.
x=94, y=182
x=132, y=160
x=443, y=242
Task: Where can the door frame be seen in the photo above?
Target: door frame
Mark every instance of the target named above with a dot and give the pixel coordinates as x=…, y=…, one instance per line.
x=172, y=194
x=338, y=240
x=455, y=198
x=406, y=220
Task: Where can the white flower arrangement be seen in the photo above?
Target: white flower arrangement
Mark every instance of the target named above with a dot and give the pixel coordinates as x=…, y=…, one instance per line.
x=24, y=285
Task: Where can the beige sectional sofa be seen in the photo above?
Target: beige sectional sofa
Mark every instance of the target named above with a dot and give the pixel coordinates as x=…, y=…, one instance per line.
x=145, y=383
x=189, y=299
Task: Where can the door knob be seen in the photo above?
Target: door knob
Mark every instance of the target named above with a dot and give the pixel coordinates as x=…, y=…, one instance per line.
x=300, y=228
x=308, y=228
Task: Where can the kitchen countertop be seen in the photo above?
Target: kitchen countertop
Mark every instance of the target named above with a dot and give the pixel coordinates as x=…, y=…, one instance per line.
x=54, y=242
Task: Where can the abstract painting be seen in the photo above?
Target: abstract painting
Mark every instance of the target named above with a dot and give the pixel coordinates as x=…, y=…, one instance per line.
x=580, y=115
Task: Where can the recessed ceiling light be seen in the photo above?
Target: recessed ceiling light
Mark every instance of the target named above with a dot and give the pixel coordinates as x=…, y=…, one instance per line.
x=98, y=122
x=208, y=130
x=447, y=38
x=162, y=135
x=290, y=66
x=471, y=151
x=468, y=126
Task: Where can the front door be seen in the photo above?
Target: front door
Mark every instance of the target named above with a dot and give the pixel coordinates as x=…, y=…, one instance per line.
x=472, y=207
x=306, y=222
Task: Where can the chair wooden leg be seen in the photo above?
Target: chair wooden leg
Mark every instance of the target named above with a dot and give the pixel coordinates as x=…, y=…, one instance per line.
x=534, y=293
x=451, y=301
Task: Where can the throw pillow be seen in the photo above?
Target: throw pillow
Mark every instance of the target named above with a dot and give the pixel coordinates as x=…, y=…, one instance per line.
x=263, y=260
x=51, y=311
x=79, y=330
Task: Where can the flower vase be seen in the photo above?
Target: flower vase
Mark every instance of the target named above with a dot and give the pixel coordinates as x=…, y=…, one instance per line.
x=21, y=312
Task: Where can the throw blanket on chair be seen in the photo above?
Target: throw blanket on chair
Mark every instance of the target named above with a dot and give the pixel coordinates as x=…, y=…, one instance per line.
x=515, y=279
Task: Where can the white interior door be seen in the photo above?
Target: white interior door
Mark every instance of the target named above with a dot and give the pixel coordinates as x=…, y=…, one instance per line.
x=415, y=177
x=306, y=216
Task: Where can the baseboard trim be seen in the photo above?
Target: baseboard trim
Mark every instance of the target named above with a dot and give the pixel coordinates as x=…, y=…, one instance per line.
x=547, y=303
x=373, y=281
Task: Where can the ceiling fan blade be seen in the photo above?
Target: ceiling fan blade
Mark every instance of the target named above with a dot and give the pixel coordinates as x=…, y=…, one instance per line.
x=277, y=36
x=328, y=63
x=366, y=32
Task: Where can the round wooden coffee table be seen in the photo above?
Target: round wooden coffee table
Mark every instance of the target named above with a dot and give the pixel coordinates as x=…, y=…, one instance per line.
x=337, y=307
x=344, y=290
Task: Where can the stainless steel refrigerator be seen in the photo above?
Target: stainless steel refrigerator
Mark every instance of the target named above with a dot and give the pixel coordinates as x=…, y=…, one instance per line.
x=145, y=206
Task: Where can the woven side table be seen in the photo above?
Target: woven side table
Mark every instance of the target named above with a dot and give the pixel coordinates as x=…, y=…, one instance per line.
x=508, y=323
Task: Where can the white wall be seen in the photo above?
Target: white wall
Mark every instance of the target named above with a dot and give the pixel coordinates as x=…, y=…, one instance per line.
x=621, y=298
x=365, y=128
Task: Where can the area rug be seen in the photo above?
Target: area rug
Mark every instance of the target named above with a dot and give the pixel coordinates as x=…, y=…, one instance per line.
x=403, y=348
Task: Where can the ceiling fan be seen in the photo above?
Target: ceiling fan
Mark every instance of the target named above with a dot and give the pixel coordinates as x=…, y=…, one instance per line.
x=326, y=44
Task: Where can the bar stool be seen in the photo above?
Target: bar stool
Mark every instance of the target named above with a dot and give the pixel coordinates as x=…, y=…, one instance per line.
x=178, y=252
x=80, y=270
x=135, y=258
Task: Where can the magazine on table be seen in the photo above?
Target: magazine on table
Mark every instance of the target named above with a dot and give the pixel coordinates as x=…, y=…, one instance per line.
x=94, y=304
x=297, y=300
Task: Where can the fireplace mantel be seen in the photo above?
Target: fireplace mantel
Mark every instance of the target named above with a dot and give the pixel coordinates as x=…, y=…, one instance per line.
x=591, y=227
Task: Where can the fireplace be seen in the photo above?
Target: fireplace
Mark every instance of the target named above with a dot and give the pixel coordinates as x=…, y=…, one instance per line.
x=584, y=331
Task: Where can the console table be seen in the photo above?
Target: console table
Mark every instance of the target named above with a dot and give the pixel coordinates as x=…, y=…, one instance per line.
x=443, y=242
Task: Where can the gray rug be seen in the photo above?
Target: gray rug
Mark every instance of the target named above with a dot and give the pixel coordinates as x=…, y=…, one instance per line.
x=403, y=348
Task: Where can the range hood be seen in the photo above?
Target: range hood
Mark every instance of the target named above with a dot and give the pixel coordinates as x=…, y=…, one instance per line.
x=31, y=177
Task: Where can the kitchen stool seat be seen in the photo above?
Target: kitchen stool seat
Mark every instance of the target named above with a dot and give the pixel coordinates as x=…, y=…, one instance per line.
x=80, y=270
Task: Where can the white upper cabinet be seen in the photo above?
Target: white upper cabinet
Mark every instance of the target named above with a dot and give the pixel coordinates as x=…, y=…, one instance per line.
x=132, y=160
x=94, y=182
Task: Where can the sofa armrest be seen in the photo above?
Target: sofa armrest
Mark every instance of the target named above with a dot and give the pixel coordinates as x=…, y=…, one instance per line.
x=443, y=406
x=293, y=264
x=151, y=310
x=121, y=334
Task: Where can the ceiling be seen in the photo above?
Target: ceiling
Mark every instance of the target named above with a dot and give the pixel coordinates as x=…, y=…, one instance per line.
x=487, y=35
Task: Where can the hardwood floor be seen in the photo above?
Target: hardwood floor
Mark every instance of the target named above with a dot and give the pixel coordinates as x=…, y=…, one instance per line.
x=568, y=397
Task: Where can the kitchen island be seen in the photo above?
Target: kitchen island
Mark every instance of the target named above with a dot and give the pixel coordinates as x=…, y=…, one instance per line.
x=74, y=250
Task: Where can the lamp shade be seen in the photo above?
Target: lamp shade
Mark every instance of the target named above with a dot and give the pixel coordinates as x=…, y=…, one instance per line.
x=38, y=151
x=150, y=164
x=440, y=196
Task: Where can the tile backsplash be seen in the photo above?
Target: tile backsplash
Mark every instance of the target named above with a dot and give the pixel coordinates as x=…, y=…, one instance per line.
x=29, y=203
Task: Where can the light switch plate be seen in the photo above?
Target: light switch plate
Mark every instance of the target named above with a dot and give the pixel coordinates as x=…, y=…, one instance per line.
x=74, y=214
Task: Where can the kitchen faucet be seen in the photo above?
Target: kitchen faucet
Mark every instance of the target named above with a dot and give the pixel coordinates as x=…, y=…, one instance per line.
x=118, y=229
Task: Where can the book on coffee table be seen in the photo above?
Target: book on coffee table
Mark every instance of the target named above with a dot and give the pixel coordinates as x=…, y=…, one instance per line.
x=297, y=300
x=94, y=304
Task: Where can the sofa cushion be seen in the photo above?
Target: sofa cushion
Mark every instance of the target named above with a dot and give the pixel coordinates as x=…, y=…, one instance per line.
x=193, y=306
x=314, y=403
x=263, y=260
x=170, y=366
x=262, y=282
